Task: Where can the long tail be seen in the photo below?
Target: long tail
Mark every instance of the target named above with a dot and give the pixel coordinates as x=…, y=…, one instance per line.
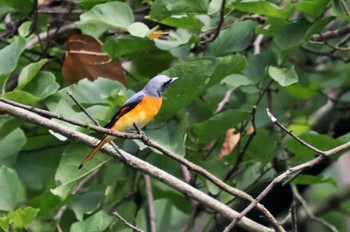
x=93, y=153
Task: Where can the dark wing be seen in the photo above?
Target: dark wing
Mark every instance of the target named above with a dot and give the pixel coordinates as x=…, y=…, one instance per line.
x=128, y=106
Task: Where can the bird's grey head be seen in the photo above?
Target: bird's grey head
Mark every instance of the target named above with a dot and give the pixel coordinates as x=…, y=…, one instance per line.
x=158, y=84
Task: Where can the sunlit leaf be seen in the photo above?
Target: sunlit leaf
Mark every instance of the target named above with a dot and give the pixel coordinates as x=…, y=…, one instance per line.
x=114, y=14
x=22, y=216
x=9, y=56
x=284, y=76
x=138, y=29
x=29, y=72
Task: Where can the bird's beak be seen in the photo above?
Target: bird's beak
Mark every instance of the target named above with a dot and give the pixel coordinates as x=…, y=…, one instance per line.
x=174, y=79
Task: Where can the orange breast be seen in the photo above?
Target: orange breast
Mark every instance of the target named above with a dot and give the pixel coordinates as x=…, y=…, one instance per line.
x=142, y=114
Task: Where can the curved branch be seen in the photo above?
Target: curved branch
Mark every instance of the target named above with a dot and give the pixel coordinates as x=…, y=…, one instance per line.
x=138, y=164
x=295, y=171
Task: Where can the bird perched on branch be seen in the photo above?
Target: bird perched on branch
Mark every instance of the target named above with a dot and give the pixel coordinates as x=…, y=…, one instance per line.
x=139, y=109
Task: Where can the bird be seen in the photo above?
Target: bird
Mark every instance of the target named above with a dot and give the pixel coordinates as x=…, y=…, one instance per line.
x=139, y=109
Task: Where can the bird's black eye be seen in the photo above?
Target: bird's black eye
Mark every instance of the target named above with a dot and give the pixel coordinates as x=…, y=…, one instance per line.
x=166, y=84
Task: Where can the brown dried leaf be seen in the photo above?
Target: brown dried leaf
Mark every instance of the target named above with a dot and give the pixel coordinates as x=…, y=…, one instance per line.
x=249, y=129
x=231, y=140
x=85, y=59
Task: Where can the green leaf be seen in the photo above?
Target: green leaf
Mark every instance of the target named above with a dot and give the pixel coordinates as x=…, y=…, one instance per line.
x=312, y=7
x=256, y=68
x=284, y=76
x=25, y=29
x=309, y=180
x=339, y=9
x=46, y=202
x=163, y=9
x=11, y=189
x=322, y=142
x=237, y=80
x=29, y=72
x=227, y=65
x=236, y=38
x=38, y=174
x=168, y=217
x=11, y=142
x=68, y=174
x=21, y=97
x=264, y=8
x=218, y=124
x=263, y=147
x=9, y=57
x=86, y=203
x=114, y=14
x=214, y=6
x=5, y=223
x=21, y=6
x=291, y=36
x=97, y=222
x=302, y=92
x=171, y=135
x=23, y=216
x=190, y=22
x=43, y=85
x=93, y=28
x=127, y=46
x=139, y=29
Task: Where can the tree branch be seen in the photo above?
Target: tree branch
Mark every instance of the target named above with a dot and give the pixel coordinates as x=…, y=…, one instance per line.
x=221, y=21
x=142, y=137
x=331, y=34
x=138, y=164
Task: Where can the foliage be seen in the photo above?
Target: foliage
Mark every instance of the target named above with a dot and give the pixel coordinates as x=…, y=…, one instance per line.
x=282, y=55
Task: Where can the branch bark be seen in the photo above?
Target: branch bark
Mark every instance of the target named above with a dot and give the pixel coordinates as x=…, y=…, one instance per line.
x=138, y=164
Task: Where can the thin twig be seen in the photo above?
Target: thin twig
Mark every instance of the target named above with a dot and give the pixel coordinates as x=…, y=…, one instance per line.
x=332, y=34
x=134, y=228
x=308, y=212
x=244, y=149
x=293, y=213
x=82, y=108
x=221, y=21
x=150, y=203
x=252, y=135
x=46, y=35
x=225, y=100
x=327, y=54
